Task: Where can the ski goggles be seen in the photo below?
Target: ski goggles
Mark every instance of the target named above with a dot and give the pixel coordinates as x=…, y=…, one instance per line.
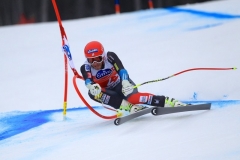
x=98, y=59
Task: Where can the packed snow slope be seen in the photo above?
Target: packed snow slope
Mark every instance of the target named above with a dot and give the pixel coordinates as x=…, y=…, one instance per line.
x=152, y=44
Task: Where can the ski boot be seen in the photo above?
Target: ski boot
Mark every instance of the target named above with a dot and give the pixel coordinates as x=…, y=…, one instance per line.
x=171, y=102
x=127, y=108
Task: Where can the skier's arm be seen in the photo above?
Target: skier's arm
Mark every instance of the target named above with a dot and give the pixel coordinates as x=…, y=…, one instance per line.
x=116, y=62
x=127, y=87
x=86, y=73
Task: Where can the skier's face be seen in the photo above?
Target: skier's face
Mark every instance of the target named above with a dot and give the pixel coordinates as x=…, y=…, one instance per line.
x=97, y=65
x=96, y=62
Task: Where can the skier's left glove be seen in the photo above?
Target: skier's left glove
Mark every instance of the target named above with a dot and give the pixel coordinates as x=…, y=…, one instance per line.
x=127, y=87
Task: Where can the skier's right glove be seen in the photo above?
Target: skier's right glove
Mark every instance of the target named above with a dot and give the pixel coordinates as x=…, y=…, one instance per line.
x=127, y=87
x=95, y=89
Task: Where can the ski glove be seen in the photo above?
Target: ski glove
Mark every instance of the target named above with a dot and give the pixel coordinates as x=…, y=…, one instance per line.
x=127, y=87
x=95, y=89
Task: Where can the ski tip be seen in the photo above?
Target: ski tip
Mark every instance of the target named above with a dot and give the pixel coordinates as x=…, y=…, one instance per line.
x=234, y=68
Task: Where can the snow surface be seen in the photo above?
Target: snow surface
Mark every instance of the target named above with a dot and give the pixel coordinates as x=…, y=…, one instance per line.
x=152, y=44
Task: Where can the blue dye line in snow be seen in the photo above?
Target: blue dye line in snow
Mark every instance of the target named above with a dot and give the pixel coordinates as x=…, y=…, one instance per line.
x=218, y=18
x=22, y=122
x=203, y=13
x=216, y=104
x=19, y=122
x=205, y=26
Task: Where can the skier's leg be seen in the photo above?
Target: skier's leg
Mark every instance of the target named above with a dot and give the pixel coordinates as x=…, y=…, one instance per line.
x=147, y=98
x=108, y=97
x=115, y=100
x=154, y=100
x=151, y=99
x=127, y=105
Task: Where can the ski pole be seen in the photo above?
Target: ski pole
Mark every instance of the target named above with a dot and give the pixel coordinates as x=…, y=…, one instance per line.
x=192, y=69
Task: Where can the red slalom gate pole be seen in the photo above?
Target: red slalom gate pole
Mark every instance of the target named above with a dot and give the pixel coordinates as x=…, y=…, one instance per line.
x=65, y=59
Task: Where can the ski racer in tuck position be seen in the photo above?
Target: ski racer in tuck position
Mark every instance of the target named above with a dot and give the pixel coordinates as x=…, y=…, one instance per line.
x=109, y=83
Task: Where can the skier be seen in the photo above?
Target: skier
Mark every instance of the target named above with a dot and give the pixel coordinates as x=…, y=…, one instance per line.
x=109, y=82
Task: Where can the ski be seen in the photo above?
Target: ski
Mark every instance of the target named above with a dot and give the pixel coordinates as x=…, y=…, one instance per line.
x=167, y=110
x=121, y=120
x=161, y=111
